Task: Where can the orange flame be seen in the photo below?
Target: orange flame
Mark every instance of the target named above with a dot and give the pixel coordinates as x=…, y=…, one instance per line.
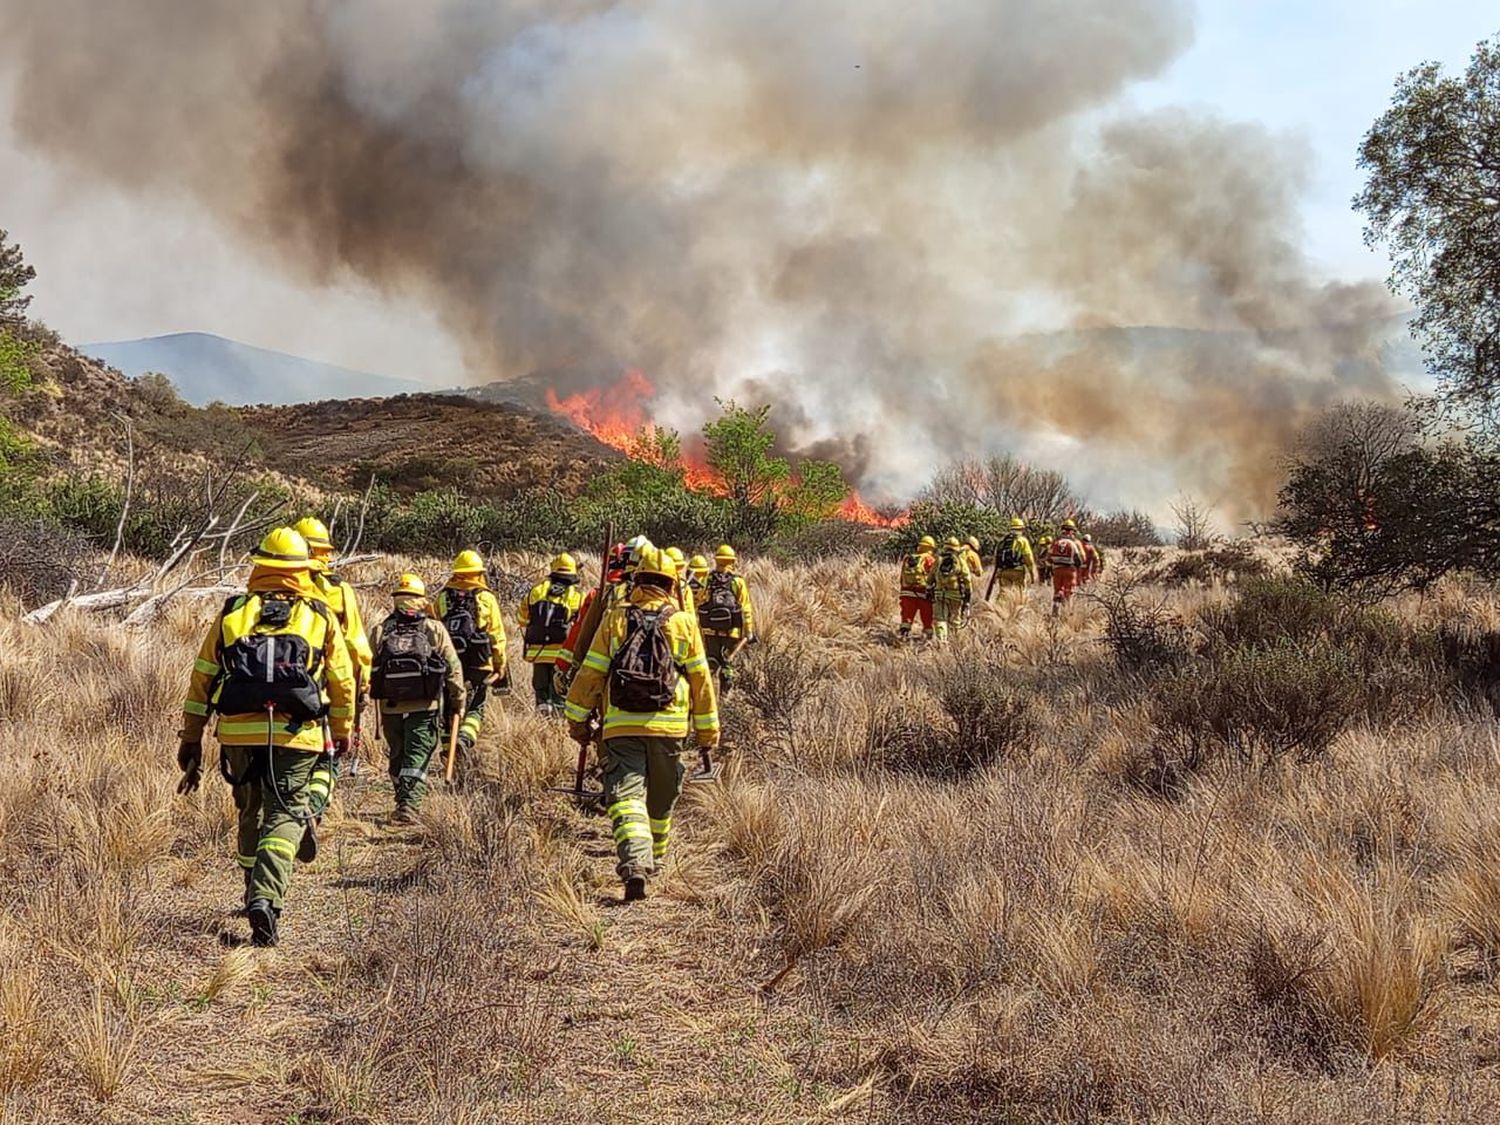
x=619, y=415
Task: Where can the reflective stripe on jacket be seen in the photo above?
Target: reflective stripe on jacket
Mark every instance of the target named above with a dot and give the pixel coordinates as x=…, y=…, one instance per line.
x=747, y=611
x=571, y=600
x=694, y=710
x=491, y=620
x=334, y=674
x=344, y=603
x=453, y=680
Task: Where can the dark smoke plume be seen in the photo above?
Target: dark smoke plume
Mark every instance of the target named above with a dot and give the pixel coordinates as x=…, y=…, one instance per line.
x=859, y=209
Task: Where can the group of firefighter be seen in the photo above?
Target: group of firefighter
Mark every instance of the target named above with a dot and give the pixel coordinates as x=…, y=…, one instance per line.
x=636, y=666
x=938, y=583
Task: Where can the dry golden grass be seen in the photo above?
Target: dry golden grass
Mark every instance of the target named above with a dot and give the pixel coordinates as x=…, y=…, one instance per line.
x=881, y=913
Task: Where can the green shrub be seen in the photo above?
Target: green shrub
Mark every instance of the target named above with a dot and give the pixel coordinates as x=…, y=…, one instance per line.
x=990, y=715
x=1257, y=704
x=1140, y=632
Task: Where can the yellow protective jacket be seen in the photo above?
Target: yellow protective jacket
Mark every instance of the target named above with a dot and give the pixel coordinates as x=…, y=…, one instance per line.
x=741, y=595
x=344, y=602
x=695, y=710
x=491, y=620
x=1023, y=549
x=976, y=564
x=334, y=674
x=453, y=681
x=570, y=599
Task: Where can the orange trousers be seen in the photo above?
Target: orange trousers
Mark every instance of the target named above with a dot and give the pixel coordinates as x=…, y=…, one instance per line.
x=915, y=609
x=1065, y=579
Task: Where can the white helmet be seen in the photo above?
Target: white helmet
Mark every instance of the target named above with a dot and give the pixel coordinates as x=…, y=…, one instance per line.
x=635, y=547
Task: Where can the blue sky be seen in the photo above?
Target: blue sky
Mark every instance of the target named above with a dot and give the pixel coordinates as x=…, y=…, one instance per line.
x=1322, y=70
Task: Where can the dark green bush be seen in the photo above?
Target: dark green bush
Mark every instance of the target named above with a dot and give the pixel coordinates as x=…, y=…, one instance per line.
x=1142, y=632
x=991, y=717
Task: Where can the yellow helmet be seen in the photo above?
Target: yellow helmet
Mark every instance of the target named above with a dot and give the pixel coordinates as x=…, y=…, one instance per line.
x=1017, y=523
x=282, y=549
x=564, y=564
x=973, y=541
x=468, y=562
x=698, y=564
x=409, y=586
x=656, y=561
x=927, y=543
x=1069, y=525
x=952, y=543
x=676, y=555
x=725, y=553
x=315, y=531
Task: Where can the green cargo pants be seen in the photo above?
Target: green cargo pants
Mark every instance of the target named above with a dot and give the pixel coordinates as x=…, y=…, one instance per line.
x=468, y=731
x=947, y=614
x=273, y=804
x=718, y=649
x=642, y=781
x=411, y=740
x=542, y=686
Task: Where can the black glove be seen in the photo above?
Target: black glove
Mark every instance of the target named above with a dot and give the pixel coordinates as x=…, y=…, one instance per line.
x=190, y=762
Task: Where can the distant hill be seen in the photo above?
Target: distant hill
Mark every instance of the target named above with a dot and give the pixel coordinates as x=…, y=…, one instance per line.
x=77, y=412
x=207, y=369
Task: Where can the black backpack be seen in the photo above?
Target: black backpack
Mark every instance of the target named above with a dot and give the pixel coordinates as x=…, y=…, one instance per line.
x=270, y=667
x=643, y=674
x=720, y=611
x=472, y=643
x=408, y=668
x=549, y=620
x=1009, y=555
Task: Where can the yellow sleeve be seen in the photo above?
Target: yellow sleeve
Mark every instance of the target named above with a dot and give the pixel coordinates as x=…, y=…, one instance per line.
x=746, y=608
x=702, y=702
x=492, y=621
x=339, y=673
x=200, y=684
x=587, y=692
x=523, y=611
x=360, y=650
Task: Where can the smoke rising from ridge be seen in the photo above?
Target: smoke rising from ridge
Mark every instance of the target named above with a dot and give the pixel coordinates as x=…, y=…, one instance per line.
x=856, y=211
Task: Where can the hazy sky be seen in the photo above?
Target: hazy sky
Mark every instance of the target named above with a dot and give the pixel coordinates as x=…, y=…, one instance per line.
x=113, y=267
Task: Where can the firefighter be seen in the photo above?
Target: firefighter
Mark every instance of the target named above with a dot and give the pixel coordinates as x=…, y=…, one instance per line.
x=975, y=563
x=416, y=673
x=471, y=613
x=648, y=674
x=950, y=584
x=1067, y=559
x=916, y=587
x=1015, y=562
x=1043, y=560
x=344, y=603
x=616, y=575
x=726, y=616
x=685, y=596
x=546, y=615
x=1090, y=560
x=697, y=570
x=1096, y=558
x=274, y=668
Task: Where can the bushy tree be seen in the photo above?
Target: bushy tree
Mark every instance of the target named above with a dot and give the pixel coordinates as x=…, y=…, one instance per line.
x=1123, y=529
x=1433, y=166
x=1005, y=485
x=15, y=275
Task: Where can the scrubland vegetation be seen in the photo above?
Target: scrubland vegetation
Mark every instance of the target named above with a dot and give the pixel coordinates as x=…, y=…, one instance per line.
x=1199, y=853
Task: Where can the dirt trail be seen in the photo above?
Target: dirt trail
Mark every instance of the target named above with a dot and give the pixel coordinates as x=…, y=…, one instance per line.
x=608, y=1012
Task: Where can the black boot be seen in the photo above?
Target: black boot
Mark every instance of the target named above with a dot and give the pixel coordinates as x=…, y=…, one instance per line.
x=307, y=850
x=262, y=923
x=635, y=888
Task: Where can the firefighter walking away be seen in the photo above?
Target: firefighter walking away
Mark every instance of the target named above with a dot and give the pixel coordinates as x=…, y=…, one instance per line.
x=416, y=678
x=647, y=673
x=274, y=676
x=726, y=616
x=471, y=614
x=546, y=616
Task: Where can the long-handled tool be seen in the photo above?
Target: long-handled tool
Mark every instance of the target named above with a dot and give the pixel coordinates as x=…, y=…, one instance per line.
x=578, y=792
x=452, y=749
x=708, y=769
x=585, y=639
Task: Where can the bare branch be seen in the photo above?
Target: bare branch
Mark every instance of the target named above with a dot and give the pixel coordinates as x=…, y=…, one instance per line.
x=114, y=552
